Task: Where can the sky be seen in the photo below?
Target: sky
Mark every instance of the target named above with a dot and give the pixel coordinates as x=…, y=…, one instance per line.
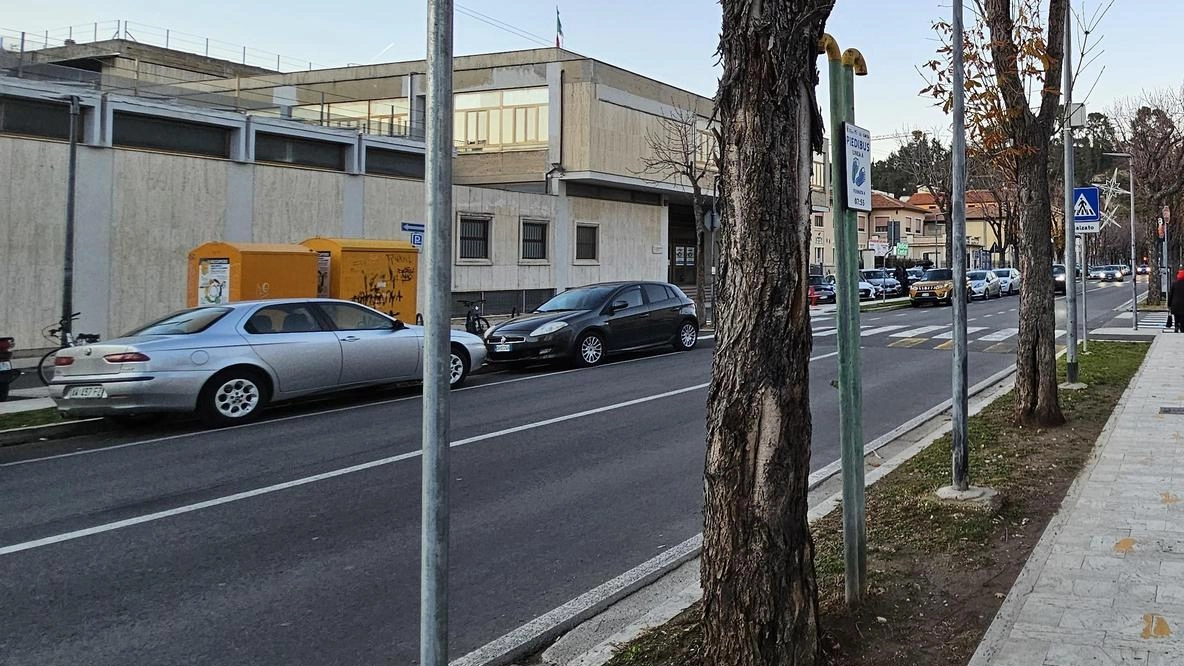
x=673, y=41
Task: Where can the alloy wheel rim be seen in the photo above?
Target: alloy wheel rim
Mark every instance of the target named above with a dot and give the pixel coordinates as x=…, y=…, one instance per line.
x=456, y=369
x=688, y=335
x=236, y=398
x=591, y=349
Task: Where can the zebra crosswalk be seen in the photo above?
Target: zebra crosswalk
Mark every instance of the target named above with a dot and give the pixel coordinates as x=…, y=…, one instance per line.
x=979, y=338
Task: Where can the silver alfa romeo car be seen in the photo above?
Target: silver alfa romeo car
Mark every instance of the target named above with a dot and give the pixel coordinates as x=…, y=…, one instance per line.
x=227, y=362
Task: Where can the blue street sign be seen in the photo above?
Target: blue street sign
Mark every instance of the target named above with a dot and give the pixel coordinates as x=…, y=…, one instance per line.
x=413, y=227
x=417, y=239
x=1085, y=204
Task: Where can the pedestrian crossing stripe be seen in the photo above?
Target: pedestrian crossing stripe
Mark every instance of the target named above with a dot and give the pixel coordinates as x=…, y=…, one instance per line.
x=908, y=342
x=945, y=346
x=1000, y=335
x=880, y=329
x=949, y=335
x=912, y=333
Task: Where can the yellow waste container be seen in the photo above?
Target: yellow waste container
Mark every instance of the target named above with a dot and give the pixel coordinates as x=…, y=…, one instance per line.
x=383, y=274
x=227, y=272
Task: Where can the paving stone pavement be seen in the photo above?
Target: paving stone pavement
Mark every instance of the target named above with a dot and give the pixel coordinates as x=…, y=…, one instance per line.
x=1105, y=584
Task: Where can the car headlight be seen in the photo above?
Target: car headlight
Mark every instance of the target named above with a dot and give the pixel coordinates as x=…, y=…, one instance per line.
x=1060, y=278
x=548, y=328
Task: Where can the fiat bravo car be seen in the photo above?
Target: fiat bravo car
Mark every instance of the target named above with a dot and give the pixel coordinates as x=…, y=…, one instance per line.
x=227, y=362
x=586, y=324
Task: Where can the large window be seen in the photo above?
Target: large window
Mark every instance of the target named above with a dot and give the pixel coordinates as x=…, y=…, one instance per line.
x=292, y=150
x=587, y=242
x=178, y=136
x=394, y=163
x=36, y=118
x=388, y=117
x=474, y=237
x=534, y=240
x=501, y=119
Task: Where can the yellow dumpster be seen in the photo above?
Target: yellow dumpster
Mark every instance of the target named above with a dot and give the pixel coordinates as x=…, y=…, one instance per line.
x=383, y=274
x=227, y=272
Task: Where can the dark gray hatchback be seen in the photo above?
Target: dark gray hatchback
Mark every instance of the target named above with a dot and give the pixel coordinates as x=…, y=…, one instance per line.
x=588, y=323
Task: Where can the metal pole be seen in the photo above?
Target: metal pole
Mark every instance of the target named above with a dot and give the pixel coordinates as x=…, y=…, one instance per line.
x=433, y=604
x=1070, y=224
x=68, y=264
x=842, y=92
x=960, y=460
x=20, y=63
x=1135, y=282
x=1084, y=302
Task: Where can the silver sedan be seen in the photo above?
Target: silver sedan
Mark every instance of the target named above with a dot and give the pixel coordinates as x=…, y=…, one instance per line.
x=227, y=362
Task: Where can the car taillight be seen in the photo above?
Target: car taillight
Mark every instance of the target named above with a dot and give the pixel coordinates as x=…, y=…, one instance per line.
x=126, y=357
x=6, y=344
x=63, y=360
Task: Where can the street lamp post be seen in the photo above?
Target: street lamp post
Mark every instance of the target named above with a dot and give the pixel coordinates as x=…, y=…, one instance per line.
x=1134, y=266
x=68, y=265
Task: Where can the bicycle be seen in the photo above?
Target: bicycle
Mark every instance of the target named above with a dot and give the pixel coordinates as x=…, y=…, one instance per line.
x=45, y=368
x=474, y=322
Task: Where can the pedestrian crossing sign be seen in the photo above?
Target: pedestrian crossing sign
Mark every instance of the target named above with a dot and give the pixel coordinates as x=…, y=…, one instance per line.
x=1085, y=204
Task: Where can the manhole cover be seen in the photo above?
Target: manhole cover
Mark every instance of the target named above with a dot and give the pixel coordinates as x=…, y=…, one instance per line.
x=1171, y=410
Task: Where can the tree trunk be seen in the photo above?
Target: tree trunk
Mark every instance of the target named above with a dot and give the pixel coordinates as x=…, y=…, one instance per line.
x=1036, y=368
x=760, y=600
x=701, y=256
x=1154, y=288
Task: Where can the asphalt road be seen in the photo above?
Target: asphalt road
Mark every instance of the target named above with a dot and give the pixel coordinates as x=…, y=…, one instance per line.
x=295, y=540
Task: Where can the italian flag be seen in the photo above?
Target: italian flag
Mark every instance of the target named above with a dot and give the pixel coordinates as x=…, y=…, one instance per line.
x=558, y=29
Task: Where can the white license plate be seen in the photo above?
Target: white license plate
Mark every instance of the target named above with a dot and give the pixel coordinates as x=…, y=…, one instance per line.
x=85, y=392
x=501, y=348
x=926, y=293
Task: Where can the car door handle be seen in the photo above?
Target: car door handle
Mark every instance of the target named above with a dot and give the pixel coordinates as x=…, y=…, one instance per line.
x=350, y=338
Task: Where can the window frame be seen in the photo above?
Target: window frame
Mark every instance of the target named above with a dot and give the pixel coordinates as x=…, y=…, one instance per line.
x=576, y=245
x=487, y=260
x=523, y=260
x=326, y=309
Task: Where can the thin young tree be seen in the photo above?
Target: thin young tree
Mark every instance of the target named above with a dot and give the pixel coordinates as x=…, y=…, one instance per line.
x=760, y=599
x=681, y=149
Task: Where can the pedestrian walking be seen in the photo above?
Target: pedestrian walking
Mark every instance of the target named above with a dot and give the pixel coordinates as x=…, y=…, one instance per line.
x=1176, y=302
x=902, y=276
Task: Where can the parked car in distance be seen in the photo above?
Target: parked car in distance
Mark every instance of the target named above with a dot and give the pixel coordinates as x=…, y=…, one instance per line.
x=880, y=278
x=824, y=290
x=1009, y=280
x=1144, y=269
x=1094, y=273
x=1058, y=278
x=937, y=287
x=587, y=324
x=983, y=284
x=1126, y=270
x=228, y=362
x=867, y=290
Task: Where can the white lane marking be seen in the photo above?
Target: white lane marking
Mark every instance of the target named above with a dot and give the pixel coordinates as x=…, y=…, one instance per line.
x=336, y=410
x=1013, y=310
x=266, y=490
x=915, y=332
x=831, y=331
x=1000, y=335
x=988, y=315
x=903, y=314
x=880, y=329
x=949, y=335
x=1059, y=333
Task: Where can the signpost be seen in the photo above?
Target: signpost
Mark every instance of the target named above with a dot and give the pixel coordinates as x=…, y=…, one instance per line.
x=413, y=227
x=1087, y=212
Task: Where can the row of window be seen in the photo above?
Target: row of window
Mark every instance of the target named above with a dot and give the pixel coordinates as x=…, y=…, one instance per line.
x=474, y=240
x=52, y=120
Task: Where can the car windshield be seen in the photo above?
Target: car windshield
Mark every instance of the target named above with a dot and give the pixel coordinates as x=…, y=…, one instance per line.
x=583, y=298
x=874, y=275
x=1003, y=272
x=818, y=281
x=977, y=275
x=184, y=322
x=939, y=274
x=1057, y=269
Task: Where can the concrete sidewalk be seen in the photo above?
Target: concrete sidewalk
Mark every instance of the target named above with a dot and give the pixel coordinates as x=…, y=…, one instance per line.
x=1105, y=584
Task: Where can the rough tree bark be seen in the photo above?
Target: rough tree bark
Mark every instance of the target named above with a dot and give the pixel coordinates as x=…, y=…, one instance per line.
x=1031, y=132
x=700, y=253
x=760, y=600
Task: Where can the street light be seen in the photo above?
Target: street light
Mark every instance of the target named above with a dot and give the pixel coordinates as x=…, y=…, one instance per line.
x=68, y=259
x=1134, y=266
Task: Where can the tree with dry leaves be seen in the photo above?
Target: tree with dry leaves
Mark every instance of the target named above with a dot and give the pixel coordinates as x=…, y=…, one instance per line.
x=682, y=149
x=760, y=598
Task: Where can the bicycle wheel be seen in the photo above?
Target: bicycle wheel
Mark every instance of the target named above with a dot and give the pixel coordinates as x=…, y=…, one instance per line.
x=45, y=368
x=482, y=325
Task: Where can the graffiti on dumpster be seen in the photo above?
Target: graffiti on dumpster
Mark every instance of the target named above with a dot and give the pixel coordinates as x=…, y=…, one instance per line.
x=384, y=290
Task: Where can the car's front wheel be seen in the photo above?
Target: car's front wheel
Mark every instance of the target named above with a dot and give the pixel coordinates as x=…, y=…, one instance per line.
x=688, y=335
x=589, y=350
x=458, y=368
x=233, y=396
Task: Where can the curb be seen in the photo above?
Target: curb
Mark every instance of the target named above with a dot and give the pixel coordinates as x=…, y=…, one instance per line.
x=27, y=434
x=997, y=634
x=528, y=638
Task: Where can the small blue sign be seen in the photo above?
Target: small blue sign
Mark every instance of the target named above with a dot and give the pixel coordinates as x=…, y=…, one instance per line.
x=1085, y=204
x=413, y=227
x=417, y=239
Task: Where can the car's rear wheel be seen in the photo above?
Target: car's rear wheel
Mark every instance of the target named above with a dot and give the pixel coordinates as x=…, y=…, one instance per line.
x=589, y=350
x=458, y=368
x=688, y=335
x=233, y=396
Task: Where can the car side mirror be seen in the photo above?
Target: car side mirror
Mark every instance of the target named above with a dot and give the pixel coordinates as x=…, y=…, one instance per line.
x=617, y=306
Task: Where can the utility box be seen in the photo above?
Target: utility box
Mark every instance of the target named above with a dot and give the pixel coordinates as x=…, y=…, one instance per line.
x=383, y=274
x=229, y=272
